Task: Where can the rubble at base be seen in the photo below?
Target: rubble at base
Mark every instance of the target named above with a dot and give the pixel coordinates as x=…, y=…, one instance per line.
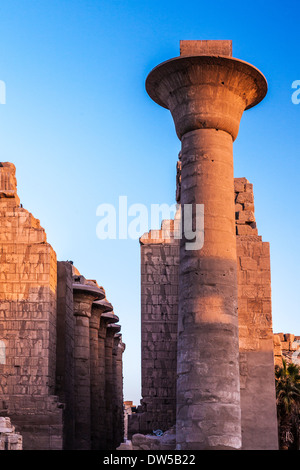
x=167, y=441
x=9, y=439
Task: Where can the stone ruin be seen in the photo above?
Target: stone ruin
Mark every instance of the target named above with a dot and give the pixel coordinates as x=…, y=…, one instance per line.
x=61, y=381
x=9, y=439
x=207, y=339
x=206, y=314
x=159, y=310
x=287, y=347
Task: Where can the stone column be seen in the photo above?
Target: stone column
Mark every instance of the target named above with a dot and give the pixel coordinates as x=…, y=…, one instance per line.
x=97, y=386
x=109, y=384
x=119, y=348
x=84, y=296
x=207, y=91
x=106, y=319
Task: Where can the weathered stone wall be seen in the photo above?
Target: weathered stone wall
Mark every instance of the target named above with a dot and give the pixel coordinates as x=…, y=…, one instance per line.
x=159, y=268
x=259, y=420
x=28, y=280
x=287, y=347
x=61, y=378
x=159, y=299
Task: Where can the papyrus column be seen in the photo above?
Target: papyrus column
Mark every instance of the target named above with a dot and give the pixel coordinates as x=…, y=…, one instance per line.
x=97, y=372
x=112, y=329
x=83, y=297
x=207, y=91
x=106, y=319
x=118, y=412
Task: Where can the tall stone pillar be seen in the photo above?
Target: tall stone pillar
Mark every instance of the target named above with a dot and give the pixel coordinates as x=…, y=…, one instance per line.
x=112, y=329
x=106, y=319
x=64, y=386
x=119, y=348
x=97, y=383
x=120, y=391
x=84, y=295
x=207, y=91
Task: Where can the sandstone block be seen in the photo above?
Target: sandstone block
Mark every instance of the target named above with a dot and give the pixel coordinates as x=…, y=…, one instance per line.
x=245, y=197
x=248, y=206
x=289, y=337
x=245, y=216
x=238, y=208
x=248, y=263
x=239, y=187
x=277, y=350
x=217, y=47
x=246, y=230
x=276, y=339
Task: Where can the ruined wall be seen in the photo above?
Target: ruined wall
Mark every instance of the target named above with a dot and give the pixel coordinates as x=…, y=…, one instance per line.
x=54, y=366
x=159, y=299
x=287, y=347
x=159, y=271
x=9, y=439
x=259, y=420
x=28, y=280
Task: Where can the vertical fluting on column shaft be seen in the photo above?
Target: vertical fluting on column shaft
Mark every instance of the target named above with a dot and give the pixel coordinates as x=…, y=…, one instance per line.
x=207, y=95
x=83, y=297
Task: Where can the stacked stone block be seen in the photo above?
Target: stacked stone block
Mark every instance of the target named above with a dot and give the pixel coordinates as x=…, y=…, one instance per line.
x=58, y=381
x=159, y=267
x=9, y=439
x=259, y=430
x=159, y=300
x=287, y=347
x=28, y=282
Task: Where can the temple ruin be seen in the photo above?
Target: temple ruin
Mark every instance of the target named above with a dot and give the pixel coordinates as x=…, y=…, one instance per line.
x=61, y=383
x=207, y=339
x=208, y=348
x=287, y=347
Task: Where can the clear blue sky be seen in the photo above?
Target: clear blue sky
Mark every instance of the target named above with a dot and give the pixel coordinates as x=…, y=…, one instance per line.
x=82, y=131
